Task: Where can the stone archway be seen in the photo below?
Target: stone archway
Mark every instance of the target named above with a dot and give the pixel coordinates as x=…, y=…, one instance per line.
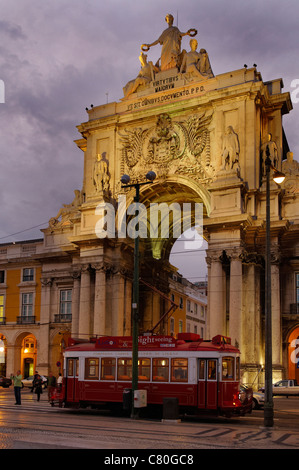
x=25, y=352
x=172, y=206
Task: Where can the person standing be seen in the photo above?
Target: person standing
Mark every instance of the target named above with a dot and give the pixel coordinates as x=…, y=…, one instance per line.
x=38, y=384
x=17, y=382
x=51, y=385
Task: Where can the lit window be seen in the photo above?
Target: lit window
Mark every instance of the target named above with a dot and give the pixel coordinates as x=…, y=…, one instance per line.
x=228, y=366
x=160, y=370
x=108, y=368
x=91, y=368
x=179, y=370
x=124, y=369
x=1, y=306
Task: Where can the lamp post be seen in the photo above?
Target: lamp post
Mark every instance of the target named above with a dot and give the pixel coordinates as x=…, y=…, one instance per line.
x=268, y=406
x=135, y=300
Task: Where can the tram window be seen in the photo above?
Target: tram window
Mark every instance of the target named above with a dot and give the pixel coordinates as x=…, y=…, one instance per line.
x=228, y=365
x=212, y=368
x=70, y=368
x=179, y=370
x=160, y=370
x=124, y=369
x=238, y=368
x=91, y=369
x=201, y=373
x=144, y=368
x=108, y=368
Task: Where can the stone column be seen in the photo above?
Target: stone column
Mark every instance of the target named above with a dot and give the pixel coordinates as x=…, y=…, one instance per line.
x=43, y=349
x=75, y=304
x=99, y=317
x=128, y=307
x=118, y=305
x=84, y=314
x=216, y=295
x=235, y=299
x=276, y=317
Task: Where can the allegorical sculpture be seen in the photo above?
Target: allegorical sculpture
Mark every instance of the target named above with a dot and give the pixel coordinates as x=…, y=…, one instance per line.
x=145, y=76
x=231, y=150
x=67, y=211
x=290, y=166
x=197, y=64
x=271, y=145
x=170, y=40
x=101, y=176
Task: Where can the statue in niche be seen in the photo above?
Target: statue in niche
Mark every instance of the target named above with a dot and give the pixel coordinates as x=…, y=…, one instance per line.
x=273, y=153
x=231, y=150
x=290, y=166
x=197, y=63
x=145, y=76
x=67, y=210
x=170, y=40
x=101, y=176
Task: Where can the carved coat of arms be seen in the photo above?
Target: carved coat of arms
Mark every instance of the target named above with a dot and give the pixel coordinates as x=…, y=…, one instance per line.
x=169, y=147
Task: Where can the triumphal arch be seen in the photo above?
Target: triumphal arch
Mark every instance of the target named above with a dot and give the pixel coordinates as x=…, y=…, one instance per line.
x=205, y=137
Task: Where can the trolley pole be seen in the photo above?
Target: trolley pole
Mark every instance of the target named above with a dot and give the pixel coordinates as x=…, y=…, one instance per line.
x=268, y=407
x=135, y=298
x=278, y=177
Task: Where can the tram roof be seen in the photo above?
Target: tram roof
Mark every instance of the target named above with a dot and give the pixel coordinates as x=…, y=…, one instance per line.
x=184, y=342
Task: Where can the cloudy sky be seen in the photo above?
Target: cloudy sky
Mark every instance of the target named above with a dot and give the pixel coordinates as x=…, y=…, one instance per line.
x=59, y=56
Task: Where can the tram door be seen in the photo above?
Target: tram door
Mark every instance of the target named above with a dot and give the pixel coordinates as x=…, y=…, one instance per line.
x=72, y=372
x=207, y=383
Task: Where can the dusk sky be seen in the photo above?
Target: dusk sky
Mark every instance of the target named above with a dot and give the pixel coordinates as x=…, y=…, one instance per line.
x=59, y=56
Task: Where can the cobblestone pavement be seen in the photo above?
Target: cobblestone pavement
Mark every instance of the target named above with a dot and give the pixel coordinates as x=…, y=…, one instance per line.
x=36, y=425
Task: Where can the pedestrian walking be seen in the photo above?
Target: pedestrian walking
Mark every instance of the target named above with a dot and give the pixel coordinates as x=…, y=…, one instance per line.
x=34, y=379
x=17, y=383
x=38, y=385
x=59, y=381
x=51, y=385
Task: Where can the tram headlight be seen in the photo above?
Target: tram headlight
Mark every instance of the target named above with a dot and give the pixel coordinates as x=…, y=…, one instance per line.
x=242, y=396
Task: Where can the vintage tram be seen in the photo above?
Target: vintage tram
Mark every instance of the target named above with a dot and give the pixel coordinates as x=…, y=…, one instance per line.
x=202, y=375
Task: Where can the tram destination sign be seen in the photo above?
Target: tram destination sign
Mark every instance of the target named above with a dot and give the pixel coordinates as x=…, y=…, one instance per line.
x=126, y=342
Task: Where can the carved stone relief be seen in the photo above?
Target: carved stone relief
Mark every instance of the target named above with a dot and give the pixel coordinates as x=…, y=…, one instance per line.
x=170, y=148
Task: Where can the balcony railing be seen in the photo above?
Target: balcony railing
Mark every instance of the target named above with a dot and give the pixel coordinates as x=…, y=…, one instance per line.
x=22, y=320
x=63, y=318
x=294, y=309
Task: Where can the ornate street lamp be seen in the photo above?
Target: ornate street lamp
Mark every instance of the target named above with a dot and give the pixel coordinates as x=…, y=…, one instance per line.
x=150, y=176
x=278, y=177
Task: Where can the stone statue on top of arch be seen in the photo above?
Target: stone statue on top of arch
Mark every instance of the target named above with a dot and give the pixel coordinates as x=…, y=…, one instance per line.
x=196, y=64
x=170, y=40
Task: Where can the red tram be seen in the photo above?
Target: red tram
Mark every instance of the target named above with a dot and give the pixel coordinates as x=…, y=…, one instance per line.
x=202, y=375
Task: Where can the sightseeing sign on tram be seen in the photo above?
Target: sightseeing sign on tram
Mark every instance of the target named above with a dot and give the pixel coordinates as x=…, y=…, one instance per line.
x=202, y=375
